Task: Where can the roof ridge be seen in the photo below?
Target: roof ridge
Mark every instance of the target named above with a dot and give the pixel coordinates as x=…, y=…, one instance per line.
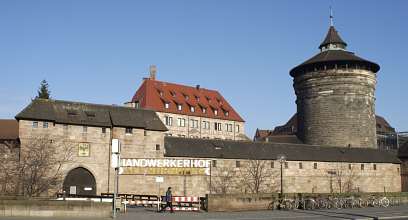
x=192, y=87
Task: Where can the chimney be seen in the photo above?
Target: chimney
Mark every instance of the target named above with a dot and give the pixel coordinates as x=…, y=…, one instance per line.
x=153, y=71
x=197, y=87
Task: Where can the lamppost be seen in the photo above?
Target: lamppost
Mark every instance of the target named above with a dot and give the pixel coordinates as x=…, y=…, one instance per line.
x=282, y=159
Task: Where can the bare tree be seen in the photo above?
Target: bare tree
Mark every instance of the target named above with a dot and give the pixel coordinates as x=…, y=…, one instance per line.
x=254, y=175
x=345, y=176
x=9, y=154
x=39, y=166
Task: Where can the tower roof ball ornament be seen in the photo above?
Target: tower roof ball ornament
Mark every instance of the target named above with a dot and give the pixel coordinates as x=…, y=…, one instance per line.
x=333, y=50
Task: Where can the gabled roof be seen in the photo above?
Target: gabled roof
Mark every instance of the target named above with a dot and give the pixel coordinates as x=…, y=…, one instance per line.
x=8, y=129
x=332, y=37
x=79, y=113
x=224, y=149
x=152, y=94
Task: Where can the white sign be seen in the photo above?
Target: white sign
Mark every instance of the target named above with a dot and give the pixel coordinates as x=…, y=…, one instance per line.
x=115, y=146
x=115, y=160
x=159, y=179
x=170, y=163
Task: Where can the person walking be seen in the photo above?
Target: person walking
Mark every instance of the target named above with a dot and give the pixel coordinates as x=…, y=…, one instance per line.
x=169, y=201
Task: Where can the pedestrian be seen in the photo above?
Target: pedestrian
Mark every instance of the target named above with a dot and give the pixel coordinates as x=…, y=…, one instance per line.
x=169, y=201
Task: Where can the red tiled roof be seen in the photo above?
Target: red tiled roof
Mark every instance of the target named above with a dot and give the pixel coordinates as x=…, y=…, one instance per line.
x=8, y=129
x=152, y=94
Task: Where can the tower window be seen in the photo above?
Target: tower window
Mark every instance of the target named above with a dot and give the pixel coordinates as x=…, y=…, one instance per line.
x=272, y=164
x=35, y=124
x=300, y=165
x=157, y=146
x=84, y=129
x=286, y=165
x=375, y=166
x=128, y=130
x=103, y=130
x=237, y=163
x=314, y=165
x=45, y=124
x=362, y=166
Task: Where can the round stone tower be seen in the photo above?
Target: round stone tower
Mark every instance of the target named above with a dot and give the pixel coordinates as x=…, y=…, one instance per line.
x=335, y=96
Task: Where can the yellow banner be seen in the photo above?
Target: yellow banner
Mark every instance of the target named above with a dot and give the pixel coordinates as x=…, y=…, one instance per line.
x=163, y=171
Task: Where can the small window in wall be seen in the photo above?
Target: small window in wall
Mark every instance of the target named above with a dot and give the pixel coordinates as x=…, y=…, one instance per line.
x=362, y=166
x=237, y=163
x=300, y=165
x=272, y=164
x=286, y=165
x=349, y=166
x=179, y=107
x=314, y=165
x=166, y=105
x=145, y=133
x=398, y=170
x=103, y=130
x=128, y=130
x=45, y=124
x=137, y=105
x=35, y=124
x=157, y=146
x=84, y=129
x=192, y=109
x=214, y=163
x=374, y=166
x=169, y=121
x=237, y=128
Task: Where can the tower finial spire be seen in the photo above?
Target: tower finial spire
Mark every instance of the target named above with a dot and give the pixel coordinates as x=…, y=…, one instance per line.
x=331, y=17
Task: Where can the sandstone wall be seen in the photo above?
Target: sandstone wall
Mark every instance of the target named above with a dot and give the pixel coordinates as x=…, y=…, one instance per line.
x=336, y=107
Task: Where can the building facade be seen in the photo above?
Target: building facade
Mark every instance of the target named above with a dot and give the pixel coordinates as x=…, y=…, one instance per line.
x=335, y=96
x=193, y=112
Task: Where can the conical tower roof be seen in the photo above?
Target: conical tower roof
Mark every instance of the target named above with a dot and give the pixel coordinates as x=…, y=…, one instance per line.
x=332, y=37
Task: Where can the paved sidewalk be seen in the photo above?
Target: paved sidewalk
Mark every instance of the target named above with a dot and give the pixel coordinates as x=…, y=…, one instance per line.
x=398, y=212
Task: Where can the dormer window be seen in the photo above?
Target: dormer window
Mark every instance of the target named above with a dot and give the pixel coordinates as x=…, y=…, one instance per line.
x=192, y=109
x=166, y=105
x=186, y=97
x=226, y=113
x=204, y=110
x=197, y=98
x=215, y=112
x=179, y=107
x=172, y=93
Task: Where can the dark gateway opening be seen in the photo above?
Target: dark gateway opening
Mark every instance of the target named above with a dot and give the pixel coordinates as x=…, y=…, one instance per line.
x=79, y=181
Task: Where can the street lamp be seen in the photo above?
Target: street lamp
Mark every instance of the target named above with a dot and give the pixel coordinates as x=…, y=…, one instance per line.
x=281, y=158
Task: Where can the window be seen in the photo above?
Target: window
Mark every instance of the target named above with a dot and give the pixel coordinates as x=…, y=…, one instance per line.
x=84, y=129
x=217, y=126
x=168, y=120
x=186, y=97
x=226, y=113
x=398, y=170
x=214, y=163
x=314, y=165
x=166, y=105
x=206, y=125
x=181, y=122
x=204, y=110
x=173, y=93
x=229, y=127
x=215, y=112
x=145, y=133
x=237, y=128
x=193, y=123
x=179, y=107
x=272, y=164
x=300, y=165
x=375, y=166
x=192, y=109
x=286, y=165
x=45, y=124
x=157, y=146
x=103, y=130
x=350, y=166
x=137, y=105
x=197, y=98
x=128, y=130
x=35, y=124
x=362, y=166
x=237, y=163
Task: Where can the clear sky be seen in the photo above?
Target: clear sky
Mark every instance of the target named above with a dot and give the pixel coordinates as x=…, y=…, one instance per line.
x=99, y=51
